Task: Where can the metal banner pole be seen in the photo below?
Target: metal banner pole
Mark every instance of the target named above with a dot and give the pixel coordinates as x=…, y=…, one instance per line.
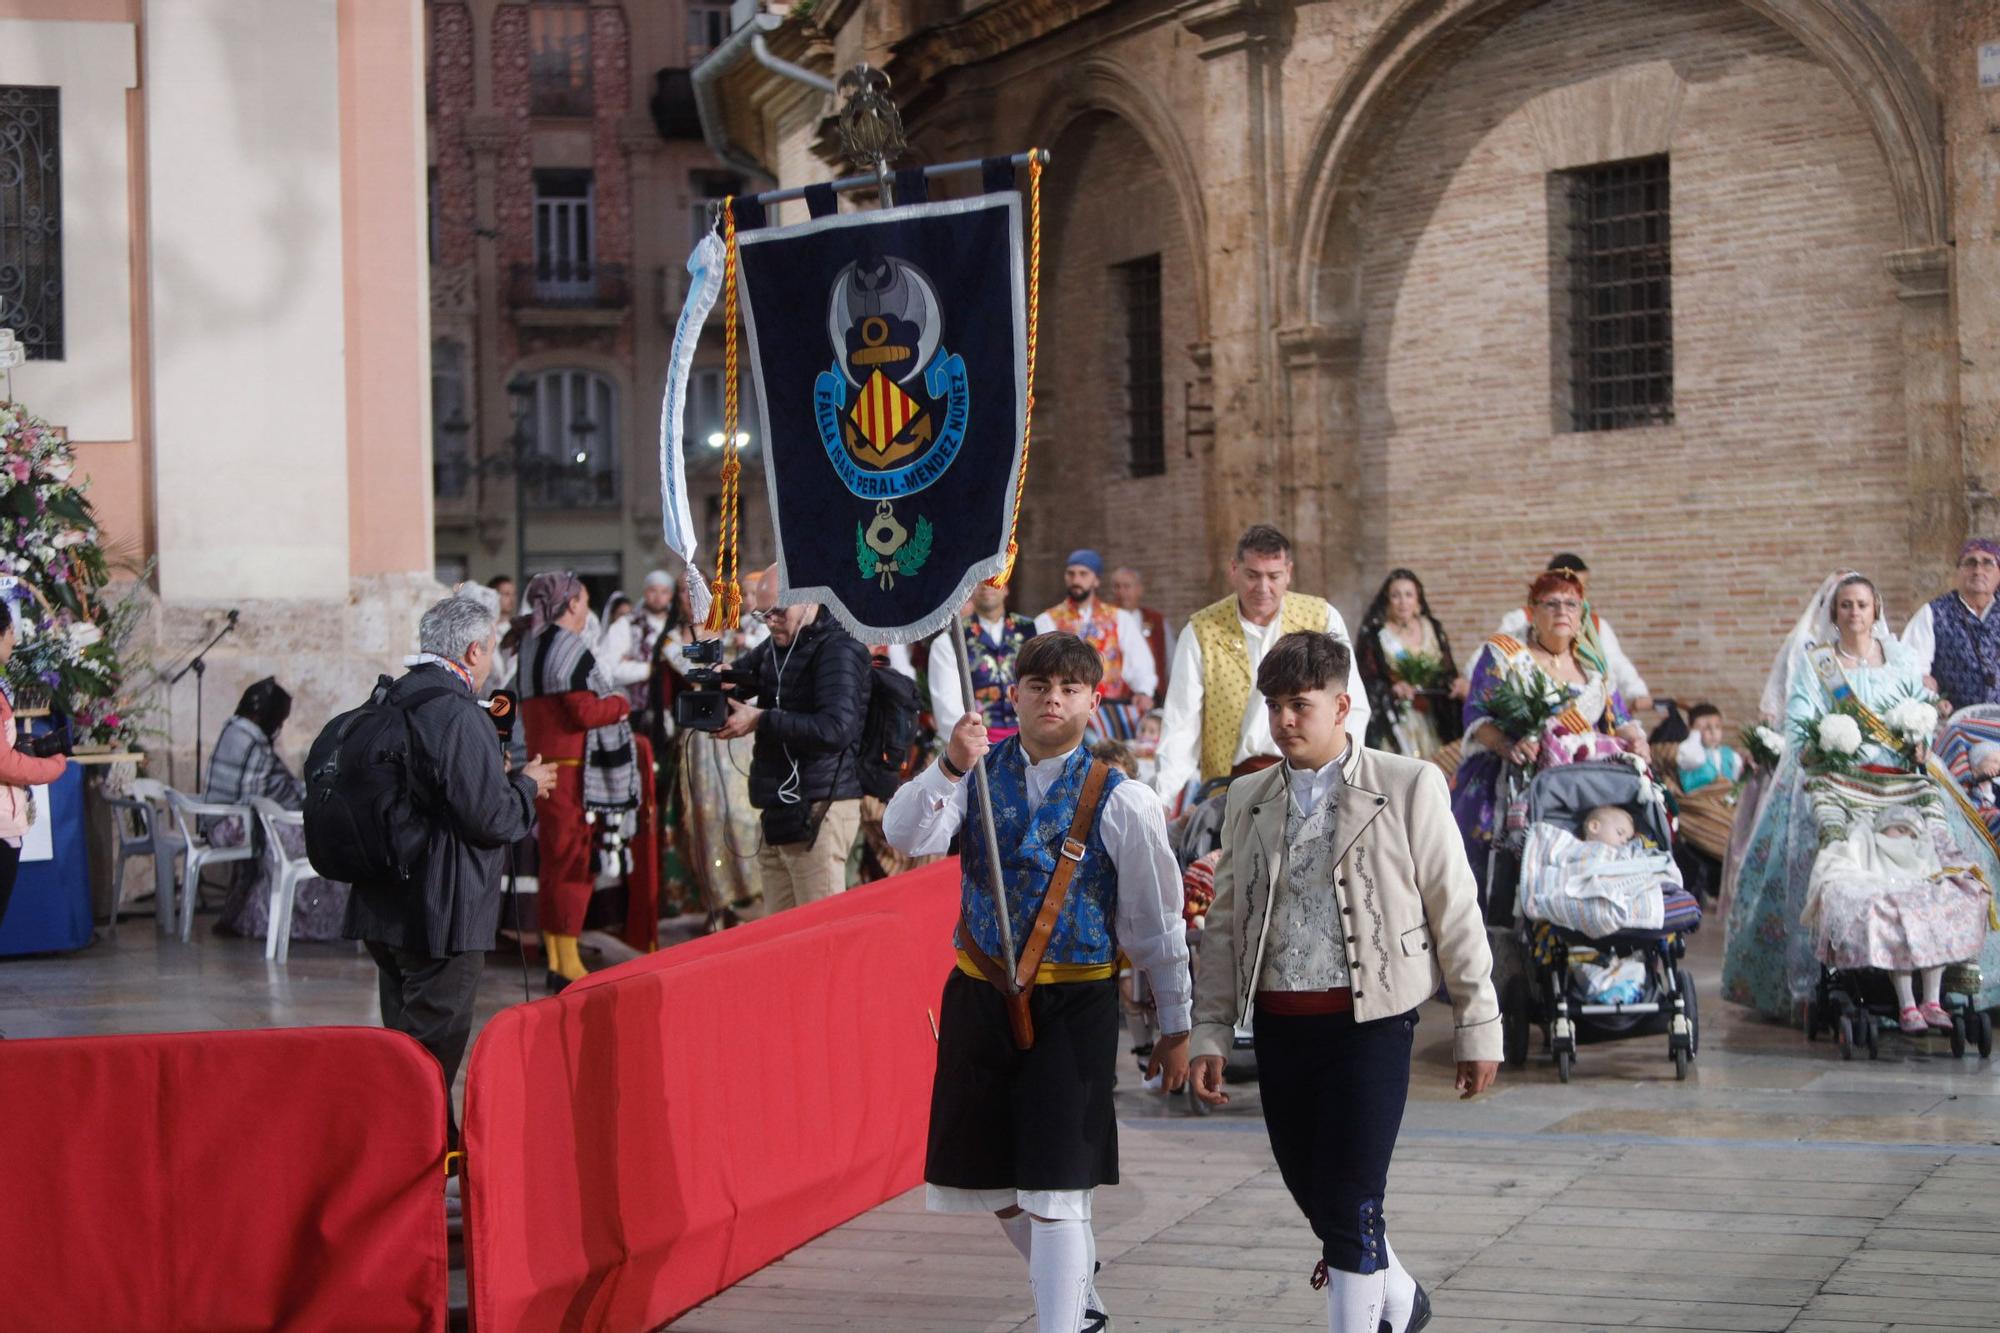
x=994, y=881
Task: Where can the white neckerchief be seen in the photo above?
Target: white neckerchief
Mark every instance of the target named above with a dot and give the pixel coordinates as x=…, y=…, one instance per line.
x=1043, y=775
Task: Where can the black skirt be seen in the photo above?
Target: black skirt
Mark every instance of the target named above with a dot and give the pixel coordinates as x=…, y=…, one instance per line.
x=1039, y=1119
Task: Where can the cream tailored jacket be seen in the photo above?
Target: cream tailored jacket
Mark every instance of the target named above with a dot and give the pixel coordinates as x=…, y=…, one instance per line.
x=1403, y=887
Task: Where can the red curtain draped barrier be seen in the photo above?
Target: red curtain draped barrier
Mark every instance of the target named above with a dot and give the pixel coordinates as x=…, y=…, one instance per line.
x=666, y=1127
x=211, y=1181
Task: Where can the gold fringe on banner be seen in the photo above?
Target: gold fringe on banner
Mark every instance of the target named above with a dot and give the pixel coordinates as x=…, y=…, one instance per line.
x=725, y=612
x=1035, y=157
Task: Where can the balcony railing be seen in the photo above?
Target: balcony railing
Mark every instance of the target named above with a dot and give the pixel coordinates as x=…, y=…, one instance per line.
x=568, y=286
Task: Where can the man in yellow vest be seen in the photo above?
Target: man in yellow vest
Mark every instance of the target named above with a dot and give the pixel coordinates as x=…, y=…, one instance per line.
x=1215, y=724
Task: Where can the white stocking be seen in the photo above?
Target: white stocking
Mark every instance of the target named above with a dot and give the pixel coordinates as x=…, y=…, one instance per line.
x=1933, y=978
x=1059, y=1272
x=1399, y=1291
x=1354, y=1301
x=1019, y=1229
x=1091, y=1300
x=1905, y=996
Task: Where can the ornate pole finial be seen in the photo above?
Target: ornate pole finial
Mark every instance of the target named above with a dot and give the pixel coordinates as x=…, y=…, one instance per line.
x=870, y=128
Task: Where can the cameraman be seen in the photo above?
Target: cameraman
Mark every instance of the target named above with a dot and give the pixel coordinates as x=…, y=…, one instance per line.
x=805, y=772
x=429, y=937
x=19, y=770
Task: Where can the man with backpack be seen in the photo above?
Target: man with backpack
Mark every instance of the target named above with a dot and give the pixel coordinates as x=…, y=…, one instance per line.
x=408, y=797
x=807, y=765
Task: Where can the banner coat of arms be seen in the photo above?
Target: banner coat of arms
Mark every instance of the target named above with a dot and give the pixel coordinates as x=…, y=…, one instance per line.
x=888, y=350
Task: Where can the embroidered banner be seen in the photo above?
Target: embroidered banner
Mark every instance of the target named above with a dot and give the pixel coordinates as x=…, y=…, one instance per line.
x=888, y=351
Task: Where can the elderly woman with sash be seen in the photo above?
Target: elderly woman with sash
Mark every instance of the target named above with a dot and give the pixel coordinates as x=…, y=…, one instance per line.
x=1849, y=758
x=1561, y=649
x=575, y=718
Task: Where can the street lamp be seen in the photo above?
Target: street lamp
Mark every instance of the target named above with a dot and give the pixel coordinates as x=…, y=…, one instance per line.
x=521, y=390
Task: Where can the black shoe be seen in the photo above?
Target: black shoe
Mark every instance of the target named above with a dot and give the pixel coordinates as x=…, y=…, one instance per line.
x=1096, y=1321
x=1420, y=1313
x=555, y=981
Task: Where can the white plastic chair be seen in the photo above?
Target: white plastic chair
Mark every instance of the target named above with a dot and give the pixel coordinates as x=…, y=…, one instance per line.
x=201, y=853
x=144, y=828
x=286, y=872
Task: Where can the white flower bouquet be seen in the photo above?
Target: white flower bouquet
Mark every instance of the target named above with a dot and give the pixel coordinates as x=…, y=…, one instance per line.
x=1914, y=720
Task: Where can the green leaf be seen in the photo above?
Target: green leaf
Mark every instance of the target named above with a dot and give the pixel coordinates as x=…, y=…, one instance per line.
x=916, y=550
x=863, y=556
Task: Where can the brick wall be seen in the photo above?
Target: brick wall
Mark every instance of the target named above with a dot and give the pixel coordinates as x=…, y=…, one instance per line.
x=1107, y=200
x=1786, y=457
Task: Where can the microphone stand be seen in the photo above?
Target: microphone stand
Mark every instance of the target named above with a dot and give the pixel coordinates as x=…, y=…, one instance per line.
x=199, y=665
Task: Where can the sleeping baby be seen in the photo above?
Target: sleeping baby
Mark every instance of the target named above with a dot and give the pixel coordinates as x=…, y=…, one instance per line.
x=1604, y=882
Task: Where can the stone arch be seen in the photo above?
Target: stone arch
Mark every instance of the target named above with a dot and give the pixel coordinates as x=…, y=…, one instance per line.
x=1100, y=84
x=1424, y=38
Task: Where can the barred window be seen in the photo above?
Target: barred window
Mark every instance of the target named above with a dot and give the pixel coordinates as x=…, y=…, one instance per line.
x=1136, y=288
x=1621, y=310
x=31, y=285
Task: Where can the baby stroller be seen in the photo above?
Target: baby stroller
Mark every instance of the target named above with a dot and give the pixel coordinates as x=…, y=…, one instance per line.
x=1856, y=1005
x=1545, y=989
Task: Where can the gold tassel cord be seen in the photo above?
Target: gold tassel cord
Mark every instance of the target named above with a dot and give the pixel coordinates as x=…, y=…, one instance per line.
x=1035, y=157
x=726, y=611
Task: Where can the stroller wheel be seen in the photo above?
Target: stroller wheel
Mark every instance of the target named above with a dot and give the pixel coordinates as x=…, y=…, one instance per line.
x=1680, y=1065
x=1843, y=1035
x=1813, y=1020
x=1563, y=1062
x=1871, y=1031
x=1686, y=980
x=1514, y=1022
x=1957, y=1035
x=1985, y=1035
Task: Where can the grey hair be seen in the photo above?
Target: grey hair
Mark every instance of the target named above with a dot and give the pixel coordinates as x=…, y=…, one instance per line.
x=454, y=625
x=480, y=593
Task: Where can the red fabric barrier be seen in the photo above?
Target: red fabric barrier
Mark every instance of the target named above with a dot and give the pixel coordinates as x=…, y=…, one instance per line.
x=221, y=1181
x=660, y=1130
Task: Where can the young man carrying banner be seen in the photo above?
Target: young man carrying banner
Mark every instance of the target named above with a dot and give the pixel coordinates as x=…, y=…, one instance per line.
x=1021, y=1112
x=1342, y=898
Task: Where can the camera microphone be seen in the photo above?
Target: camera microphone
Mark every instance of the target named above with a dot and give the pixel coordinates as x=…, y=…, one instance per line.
x=501, y=709
x=233, y=616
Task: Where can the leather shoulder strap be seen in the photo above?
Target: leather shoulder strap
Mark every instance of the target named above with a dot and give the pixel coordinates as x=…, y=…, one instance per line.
x=1066, y=864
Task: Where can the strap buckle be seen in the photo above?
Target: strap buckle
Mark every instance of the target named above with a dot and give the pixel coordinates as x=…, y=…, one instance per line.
x=1072, y=850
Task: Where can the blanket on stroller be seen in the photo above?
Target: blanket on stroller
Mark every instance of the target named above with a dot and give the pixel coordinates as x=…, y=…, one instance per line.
x=1592, y=888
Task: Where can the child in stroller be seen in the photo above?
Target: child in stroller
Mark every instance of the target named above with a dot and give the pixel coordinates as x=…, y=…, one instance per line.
x=1603, y=916
x=1892, y=900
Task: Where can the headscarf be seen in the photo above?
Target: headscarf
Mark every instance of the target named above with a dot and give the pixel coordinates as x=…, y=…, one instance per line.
x=266, y=704
x=1985, y=545
x=1089, y=559
x=549, y=595
x=659, y=578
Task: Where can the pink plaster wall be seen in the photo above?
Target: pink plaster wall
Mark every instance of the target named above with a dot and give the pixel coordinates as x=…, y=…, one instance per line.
x=387, y=287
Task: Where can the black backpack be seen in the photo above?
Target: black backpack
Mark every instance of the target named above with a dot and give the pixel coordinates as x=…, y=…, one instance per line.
x=367, y=790
x=888, y=730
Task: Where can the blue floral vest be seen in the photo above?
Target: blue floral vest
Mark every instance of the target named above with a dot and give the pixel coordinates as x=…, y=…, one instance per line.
x=992, y=667
x=1967, y=660
x=1030, y=846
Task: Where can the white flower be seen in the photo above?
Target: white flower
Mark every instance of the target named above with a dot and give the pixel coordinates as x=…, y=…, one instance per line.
x=83, y=634
x=59, y=469
x=1770, y=740
x=1839, y=734
x=69, y=538
x=1913, y=720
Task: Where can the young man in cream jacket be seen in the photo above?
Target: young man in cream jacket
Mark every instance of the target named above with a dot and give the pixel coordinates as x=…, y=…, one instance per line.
x=1342, y=898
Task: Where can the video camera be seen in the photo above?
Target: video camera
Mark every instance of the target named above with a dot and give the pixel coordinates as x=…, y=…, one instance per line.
x=703, y=706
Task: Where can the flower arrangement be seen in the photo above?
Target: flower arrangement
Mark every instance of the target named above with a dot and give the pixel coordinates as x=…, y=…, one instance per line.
x=1524, y=698
x=1762, y=747
x=1423, y=671
x=1914, y=720
x=72, y=649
